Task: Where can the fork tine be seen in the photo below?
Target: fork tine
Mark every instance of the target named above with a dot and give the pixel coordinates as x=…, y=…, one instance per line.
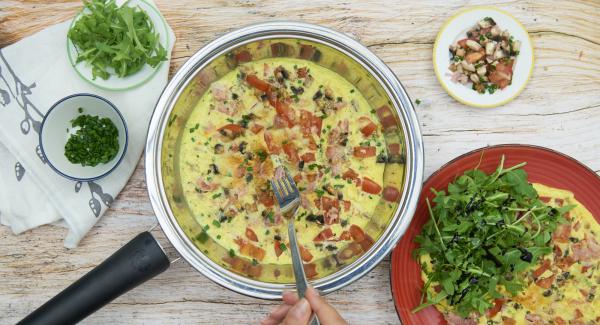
x=288, y=186
x=283, y=188
x=292, y=183
x=276, y=191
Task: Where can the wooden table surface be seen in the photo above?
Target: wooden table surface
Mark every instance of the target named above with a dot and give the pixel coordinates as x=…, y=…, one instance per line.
x=560, y=109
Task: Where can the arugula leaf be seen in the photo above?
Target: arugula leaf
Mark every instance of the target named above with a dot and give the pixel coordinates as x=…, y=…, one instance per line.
x=484, y=231
x=115, y=40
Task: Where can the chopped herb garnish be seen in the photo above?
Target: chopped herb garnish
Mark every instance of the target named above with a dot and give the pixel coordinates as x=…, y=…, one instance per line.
x=95, y=142
x=231, y=252
x=282, y=247
x=216, y=223
x=418, y=101
x=216, y=195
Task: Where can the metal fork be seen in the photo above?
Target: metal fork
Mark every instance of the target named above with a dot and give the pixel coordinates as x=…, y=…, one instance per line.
x=288, y=198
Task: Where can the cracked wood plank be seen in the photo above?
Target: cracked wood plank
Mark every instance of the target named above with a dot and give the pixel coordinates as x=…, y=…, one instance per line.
x=560, y=109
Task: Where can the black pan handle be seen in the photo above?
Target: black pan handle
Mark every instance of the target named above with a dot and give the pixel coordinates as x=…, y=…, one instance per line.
x=138, y=261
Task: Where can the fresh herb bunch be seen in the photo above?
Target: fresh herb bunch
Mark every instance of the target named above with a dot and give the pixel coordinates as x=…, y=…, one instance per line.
x=96, y=141
x=115, y=40
x=482, y=235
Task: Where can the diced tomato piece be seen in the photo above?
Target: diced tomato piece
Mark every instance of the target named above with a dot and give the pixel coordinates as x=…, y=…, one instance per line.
x=243, y=56
x=350, y=174
x=255, y=128
x=306, y=51
x=286, y=112
x=302, y=72
x=250, y=234
x=305, y=254
x=231, y=131
x=474, y=56
x=291, y=152
x=347, y=204
x=394, y=148
x=540, y=270
x=312, y=144
x=545, y=199
x=368, y=126
x=345, y=235
x=383, y=112
x=357, y=233
x=578, y=313
x=389, y=122
x=310, y=123
x=298, y=178
x=310, y=270
x=557, y=321
x=308, y=157
x=324, y=235
x=561, y=233
x=327, y=203
x=279, y=49
x=273, y=148
x=585, y=268
x=366, y=243
x=255, y=82
x=370, y=186
x=351, y=250
x=311, y=177
x=511, y=321
x=386, y=117
x=545, y=283
x=560, y=202
x=266, y=198
x=243, y=266
x=278, y=250
x=496, y=309
x=250, y=249
x=391, y=194
x=364, y=152
x=463, y=42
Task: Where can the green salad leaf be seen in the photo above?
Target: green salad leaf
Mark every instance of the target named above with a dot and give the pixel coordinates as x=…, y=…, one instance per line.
x=483, y=233
x=115, y=40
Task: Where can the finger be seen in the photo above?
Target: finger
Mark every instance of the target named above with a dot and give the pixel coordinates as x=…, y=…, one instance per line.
x=290, y=298
x=326, y=313
x=277, y=315
x=298, y=314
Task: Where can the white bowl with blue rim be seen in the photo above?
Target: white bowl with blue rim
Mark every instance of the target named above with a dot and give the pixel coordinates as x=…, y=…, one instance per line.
x=56, y=130
x=84, y=70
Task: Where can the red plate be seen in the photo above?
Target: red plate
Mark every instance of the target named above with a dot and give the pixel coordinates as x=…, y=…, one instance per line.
x=544, y=166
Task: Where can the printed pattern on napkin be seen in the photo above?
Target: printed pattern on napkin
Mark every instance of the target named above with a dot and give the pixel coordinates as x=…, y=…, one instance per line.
x=34, y=74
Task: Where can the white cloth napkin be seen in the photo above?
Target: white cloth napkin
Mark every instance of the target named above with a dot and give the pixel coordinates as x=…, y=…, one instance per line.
x=35, y=73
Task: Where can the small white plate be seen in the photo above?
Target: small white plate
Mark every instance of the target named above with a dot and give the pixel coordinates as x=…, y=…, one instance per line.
x=56, y=130
x=84, y=70
x=455, y=29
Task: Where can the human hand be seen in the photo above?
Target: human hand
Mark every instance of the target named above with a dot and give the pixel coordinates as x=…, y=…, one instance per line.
x=296, y=311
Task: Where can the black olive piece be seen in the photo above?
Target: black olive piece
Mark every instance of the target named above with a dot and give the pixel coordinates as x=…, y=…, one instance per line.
x=263, y=97
x=517, y=305
x=591, y=297
x=574, y=239
x=214, y=169
x=242, y=147
x=469, y=34
x=344, y=141
x=317, y=95
x=547, y=293
x=219, y=148
x=277, y=237
x=473, y=280
x=297, y=91
x=398, y=159
x=285, y=73
x=318, y=218
x=316, y=56
x=249, y=178
x=328, y=97
x=249, y=156
x=340, y=196
x=510, y=276
x=566, y=275
x=222, y=218
x=244, y=123
x=382, y=158
x=226, y=191
x=500, y=223
x=526, y=255
x=330, y=247
x=344, y=222
x=463, y=294
x=553, y=212
x=234, y=96
x=301, y=164
x=454, y=239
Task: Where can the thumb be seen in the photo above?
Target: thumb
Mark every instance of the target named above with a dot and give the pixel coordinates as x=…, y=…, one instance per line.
x=299, y=314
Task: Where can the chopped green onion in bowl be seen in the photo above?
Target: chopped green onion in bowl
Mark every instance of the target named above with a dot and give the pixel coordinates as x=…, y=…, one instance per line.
x=96, y=141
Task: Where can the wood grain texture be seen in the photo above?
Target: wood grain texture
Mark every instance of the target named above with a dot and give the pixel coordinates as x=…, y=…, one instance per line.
x=560, y=109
